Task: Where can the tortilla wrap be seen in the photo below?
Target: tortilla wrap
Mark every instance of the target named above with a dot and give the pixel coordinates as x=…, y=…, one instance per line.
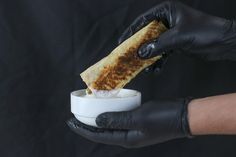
x=122, y=64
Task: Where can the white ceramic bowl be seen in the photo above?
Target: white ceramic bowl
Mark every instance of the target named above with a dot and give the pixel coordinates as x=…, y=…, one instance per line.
x=86, y=109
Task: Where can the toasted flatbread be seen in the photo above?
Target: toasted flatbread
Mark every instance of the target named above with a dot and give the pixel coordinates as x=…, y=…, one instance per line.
x=122, y=64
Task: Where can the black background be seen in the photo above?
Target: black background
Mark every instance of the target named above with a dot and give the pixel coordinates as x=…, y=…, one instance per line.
x=46, y=44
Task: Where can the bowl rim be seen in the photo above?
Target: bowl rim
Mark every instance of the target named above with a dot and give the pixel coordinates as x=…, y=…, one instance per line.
x=136, y=94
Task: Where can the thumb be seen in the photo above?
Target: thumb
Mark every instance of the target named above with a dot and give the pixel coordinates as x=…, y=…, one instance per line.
x=116, y=120
x=167, y=41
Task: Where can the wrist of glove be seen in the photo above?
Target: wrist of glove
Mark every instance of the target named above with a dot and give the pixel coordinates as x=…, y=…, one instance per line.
x=154, y=122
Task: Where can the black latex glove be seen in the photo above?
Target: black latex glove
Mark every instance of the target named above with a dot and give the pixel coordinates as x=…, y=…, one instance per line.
x=154, y=122
x=191, y=31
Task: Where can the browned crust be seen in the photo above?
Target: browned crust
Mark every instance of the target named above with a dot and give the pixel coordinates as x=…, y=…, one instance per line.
x=124, y=68
x=128, y=65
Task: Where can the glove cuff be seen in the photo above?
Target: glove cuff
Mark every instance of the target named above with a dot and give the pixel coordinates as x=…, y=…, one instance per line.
x=185, y=120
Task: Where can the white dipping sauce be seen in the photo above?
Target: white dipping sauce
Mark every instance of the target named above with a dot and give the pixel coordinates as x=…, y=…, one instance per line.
x=108, y=94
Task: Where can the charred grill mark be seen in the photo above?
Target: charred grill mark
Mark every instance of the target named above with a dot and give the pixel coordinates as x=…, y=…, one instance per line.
x=125, y=67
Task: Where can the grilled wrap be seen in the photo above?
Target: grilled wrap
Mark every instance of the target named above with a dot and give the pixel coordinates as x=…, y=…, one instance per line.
x=122, y=64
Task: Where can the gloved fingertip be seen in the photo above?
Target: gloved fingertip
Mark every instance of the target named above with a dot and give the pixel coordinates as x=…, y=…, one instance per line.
x=146, y=50
x=72, y=123
x=157, y=70
x=102, y=120
x=148, y=69
x=143, y=53
x=120, y=40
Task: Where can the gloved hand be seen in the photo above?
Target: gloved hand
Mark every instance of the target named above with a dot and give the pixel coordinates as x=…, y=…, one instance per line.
x=191, y=31
x=154, y=122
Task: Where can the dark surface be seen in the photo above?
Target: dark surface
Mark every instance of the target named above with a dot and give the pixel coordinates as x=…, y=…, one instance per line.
x=45, y=45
